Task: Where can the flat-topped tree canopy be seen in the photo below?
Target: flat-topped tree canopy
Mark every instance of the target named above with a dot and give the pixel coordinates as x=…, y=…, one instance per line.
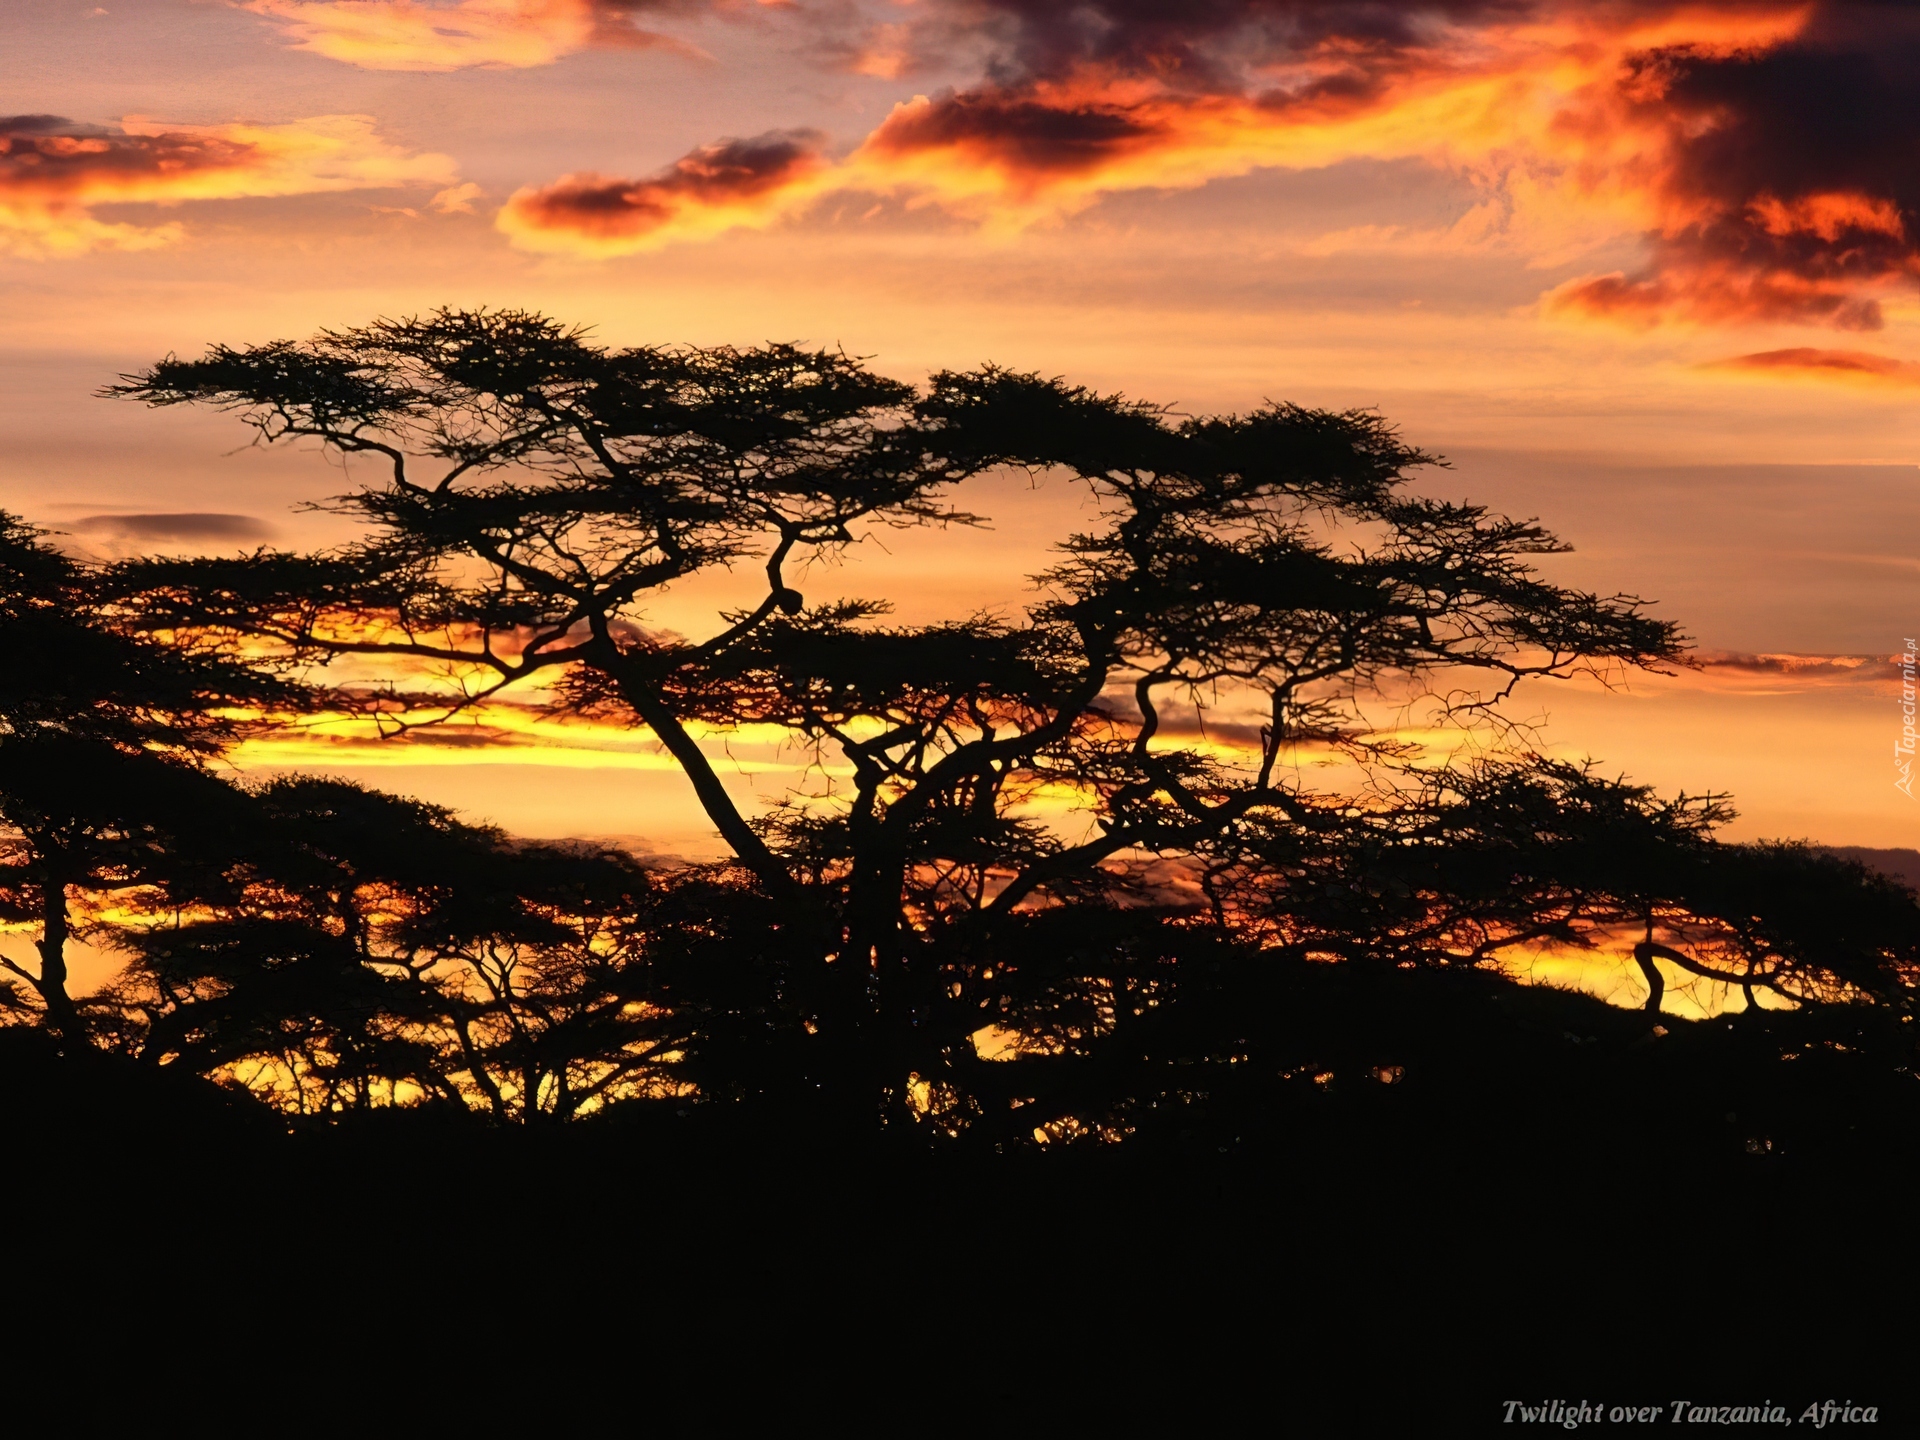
x=583, y=475
x=532, y=488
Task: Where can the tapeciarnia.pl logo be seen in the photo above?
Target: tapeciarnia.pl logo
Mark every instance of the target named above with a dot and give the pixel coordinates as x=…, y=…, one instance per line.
x=1903, y=747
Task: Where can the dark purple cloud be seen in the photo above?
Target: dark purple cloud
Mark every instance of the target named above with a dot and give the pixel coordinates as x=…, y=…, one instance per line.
x=713, y=178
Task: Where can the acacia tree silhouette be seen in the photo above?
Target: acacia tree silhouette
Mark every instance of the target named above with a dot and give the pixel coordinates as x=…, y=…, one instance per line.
x=534, y=490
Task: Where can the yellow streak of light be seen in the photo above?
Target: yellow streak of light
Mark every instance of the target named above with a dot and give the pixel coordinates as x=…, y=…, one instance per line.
x=1609, y=973
x=514, y=735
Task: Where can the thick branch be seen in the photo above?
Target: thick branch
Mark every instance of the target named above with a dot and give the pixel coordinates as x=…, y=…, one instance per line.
x=726, y=816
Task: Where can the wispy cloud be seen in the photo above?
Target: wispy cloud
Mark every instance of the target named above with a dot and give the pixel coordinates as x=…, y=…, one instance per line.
x=1778, y=672
x=464, y=34
x=194, y=525
x=1850, y=367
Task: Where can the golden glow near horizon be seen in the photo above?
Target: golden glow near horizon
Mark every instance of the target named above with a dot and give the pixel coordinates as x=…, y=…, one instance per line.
x=1567, y=246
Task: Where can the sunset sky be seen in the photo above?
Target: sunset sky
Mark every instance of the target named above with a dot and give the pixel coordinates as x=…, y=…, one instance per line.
x=1647, y=271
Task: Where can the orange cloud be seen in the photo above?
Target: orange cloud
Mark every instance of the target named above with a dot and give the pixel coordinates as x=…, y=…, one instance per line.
x=1781, y=188
x=1712, y=291
x=1846, y=366
x=1186, y=96
x=717, y=187
x=54, y=174
x=459, y=34
x=1829, y=215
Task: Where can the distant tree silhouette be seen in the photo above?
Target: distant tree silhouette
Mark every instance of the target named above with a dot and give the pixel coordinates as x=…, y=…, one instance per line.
x=361, y=950
x=1472, y=862
x=531, y=491
x=102, y=733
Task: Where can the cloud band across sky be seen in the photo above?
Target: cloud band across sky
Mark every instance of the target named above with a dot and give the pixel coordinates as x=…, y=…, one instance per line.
x=56, y=174
x=1762, y=153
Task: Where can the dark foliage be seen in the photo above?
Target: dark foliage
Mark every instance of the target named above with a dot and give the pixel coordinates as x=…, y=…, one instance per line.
x=1044, y=907
x=102, y=731
x=363, y=951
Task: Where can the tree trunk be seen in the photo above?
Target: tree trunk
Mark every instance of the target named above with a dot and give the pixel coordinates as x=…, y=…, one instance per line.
x=63, y=1017
x=726, y=816
x=1656, y=983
